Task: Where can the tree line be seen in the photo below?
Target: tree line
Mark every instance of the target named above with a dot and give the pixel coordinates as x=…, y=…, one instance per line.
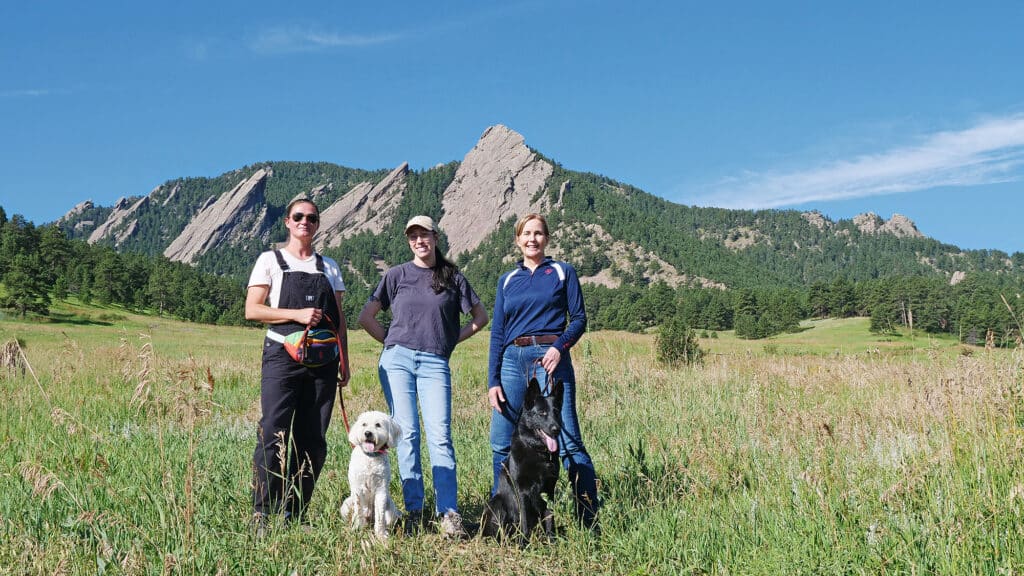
x=982, y=308
x=41, y=263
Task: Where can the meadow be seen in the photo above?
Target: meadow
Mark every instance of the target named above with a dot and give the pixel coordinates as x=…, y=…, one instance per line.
x=126, y=445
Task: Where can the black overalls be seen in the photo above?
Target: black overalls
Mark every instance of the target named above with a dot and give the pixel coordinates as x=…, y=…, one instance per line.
x=296, y=401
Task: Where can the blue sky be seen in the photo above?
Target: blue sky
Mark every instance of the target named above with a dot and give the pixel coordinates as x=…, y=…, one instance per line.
x=888, y=107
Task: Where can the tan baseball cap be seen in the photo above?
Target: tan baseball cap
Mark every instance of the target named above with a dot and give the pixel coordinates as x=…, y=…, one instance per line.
x=422, y=221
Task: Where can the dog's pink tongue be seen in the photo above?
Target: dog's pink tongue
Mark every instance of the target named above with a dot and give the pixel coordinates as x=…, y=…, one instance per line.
x=551, y=442
x=369, y=447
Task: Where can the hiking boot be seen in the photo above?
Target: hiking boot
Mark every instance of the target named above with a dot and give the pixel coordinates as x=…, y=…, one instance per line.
x=451, y=526
x=412, y=522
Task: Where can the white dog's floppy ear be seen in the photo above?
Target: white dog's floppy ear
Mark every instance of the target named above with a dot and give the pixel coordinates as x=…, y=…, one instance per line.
x=394, y=433
x=354, y=433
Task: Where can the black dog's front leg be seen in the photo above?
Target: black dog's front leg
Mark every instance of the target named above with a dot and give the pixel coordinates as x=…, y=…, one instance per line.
x=548, y=522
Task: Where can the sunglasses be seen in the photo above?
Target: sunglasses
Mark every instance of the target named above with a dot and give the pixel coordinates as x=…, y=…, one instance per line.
x=311, y=218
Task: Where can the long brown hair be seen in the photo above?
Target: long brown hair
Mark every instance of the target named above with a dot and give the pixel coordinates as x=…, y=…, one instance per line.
x=444, y=272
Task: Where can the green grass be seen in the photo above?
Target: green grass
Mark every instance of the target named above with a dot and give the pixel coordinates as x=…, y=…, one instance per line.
x=127, y=450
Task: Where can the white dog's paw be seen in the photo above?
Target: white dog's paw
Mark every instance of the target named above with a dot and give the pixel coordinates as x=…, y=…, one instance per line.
x=348, y=508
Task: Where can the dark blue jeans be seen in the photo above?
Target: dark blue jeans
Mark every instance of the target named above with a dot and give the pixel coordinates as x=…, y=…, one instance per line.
x=518, y=365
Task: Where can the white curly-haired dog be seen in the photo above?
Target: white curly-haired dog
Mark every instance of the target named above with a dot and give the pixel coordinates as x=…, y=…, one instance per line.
x=369, y=473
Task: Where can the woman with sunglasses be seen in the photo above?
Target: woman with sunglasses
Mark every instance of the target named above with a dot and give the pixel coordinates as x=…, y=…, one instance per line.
x=291, y=289
x=427, y=297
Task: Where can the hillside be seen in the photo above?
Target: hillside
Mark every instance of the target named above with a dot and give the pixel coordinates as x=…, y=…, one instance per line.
x=616, y=234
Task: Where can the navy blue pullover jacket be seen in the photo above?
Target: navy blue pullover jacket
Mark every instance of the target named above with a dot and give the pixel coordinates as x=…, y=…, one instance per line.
x=535, y=304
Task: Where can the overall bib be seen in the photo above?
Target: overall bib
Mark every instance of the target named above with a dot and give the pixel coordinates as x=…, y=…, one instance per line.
x=296, y=401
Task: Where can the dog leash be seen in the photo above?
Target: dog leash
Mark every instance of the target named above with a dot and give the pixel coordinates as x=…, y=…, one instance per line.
x=341, y=402
x=531, y=373
x=341, y=362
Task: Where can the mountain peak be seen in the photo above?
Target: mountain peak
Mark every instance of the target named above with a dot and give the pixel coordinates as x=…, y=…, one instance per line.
x=495, y=181
x=899, y=225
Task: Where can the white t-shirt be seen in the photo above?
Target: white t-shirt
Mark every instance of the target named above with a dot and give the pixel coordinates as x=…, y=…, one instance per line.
x=267, y=272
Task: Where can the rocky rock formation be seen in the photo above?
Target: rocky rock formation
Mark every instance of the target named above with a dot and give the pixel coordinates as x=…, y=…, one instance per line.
x=78, y=209
x=496, y=181
x=171, y=195
x=899, y=225
x=120, y=225
x=234, y=216
x=72, y=214
x=623, y=255
x=364, y=207
x=868, y=223
x=815, y=218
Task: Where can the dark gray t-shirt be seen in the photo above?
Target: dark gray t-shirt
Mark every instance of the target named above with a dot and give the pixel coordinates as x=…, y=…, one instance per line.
x=422, y=320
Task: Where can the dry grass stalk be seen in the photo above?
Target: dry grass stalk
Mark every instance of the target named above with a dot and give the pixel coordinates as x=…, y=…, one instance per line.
x=63, y=419
x=44, y=483
x=11, y=359
x=70, y=360
x=144, y=387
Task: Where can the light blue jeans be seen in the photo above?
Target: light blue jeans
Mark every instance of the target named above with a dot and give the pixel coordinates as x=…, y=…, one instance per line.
x=411, y=377
x=518, y=365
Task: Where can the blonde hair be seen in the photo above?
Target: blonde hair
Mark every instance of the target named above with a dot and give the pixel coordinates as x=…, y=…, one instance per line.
x=531, y=216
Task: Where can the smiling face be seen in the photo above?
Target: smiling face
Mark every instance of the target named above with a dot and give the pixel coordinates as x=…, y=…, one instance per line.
x=373, y=432
x=532, y=239
x=308, y=220
x=422, y=243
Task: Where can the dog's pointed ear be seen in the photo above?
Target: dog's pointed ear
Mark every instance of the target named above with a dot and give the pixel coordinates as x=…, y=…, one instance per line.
x=532, y=392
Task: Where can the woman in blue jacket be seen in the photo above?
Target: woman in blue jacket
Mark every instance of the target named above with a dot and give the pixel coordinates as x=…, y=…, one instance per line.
x=538, y=317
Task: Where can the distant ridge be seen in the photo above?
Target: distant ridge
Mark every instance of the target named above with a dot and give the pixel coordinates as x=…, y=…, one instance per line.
x=616, y=234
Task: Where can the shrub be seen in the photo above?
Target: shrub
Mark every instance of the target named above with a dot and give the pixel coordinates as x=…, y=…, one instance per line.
x=677, y=343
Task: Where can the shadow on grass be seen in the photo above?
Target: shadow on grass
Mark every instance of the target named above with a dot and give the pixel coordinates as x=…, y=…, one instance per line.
x=82, y=320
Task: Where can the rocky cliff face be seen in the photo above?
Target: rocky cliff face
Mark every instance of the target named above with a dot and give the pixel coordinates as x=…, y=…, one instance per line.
x=495, y=181
x=899, y=225
x=364, y=207
x=121, y=223
x=234, y=216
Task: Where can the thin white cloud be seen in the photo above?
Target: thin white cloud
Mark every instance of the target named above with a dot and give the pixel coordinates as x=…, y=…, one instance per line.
x=987, y=153
x=25, y=93
x=290, y=39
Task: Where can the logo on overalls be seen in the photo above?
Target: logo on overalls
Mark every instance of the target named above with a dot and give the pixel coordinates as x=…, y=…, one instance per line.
x=310, y=298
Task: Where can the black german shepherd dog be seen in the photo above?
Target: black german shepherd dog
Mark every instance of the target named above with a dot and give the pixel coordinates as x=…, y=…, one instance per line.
x=531, y=471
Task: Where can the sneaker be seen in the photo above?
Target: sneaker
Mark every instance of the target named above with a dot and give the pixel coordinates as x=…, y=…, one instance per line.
x=260, y=525
x=451, y=526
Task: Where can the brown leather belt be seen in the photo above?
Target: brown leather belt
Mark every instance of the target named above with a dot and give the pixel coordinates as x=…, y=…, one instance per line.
x=535, y=340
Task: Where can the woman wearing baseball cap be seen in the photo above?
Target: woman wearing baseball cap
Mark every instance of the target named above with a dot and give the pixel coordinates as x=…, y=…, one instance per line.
x=427, y=296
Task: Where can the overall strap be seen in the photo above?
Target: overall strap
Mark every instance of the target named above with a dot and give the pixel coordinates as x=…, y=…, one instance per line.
x=284, y=265
x=281, y=262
